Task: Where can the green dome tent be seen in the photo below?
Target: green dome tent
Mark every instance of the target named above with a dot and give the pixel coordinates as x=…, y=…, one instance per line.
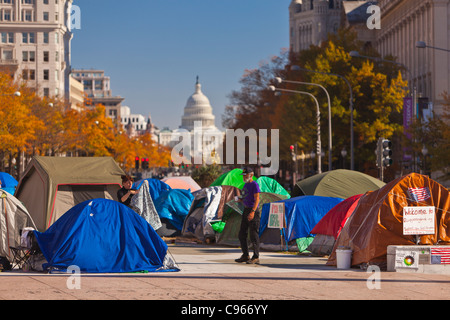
x=337, y=183
x=270, y=185
x=231, y=178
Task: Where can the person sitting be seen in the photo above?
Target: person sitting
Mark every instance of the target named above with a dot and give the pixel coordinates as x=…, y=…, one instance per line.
x=125, y=194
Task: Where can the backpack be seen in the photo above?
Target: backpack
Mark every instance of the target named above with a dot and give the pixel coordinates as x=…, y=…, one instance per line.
x=5, y=264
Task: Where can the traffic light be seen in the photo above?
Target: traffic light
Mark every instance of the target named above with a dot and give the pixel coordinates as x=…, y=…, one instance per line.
x=136, y=163
x=386, y=153
x=145, y=163
x=292, y=152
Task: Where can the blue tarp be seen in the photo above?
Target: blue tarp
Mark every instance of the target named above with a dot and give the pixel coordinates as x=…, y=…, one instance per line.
x=174, y=206
x=301, y=213
x=104, y=236
x=9, y=184
x=156, y=187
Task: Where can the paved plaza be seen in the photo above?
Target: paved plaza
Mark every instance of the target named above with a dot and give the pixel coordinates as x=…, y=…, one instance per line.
x=208, y=272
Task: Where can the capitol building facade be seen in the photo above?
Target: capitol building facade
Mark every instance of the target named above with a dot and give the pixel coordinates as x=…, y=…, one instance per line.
x=197, y=140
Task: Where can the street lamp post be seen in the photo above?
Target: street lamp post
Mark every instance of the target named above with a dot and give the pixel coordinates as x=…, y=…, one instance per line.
x=352, y=153
x=17, y=94
x=423, y=45
x=319, y=143
x=330, y=139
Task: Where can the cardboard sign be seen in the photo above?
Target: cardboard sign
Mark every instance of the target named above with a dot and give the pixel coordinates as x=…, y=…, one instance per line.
x=276, y=216
x=418, y=220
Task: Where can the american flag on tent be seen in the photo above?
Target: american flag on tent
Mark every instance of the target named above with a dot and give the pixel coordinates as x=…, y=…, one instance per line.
x=419, y=194
x=440, y=255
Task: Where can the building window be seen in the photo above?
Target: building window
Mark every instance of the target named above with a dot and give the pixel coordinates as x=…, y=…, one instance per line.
x=46, y=92
x=46, y=56
x=7, y=55
x=7, y=37
x=46, y=37
x=7, y=15
x=28, y=74
x=45, y=16
x=46, y=74
x=98, y=85
x=28, y=56
x=28, y=37
x=27, y=15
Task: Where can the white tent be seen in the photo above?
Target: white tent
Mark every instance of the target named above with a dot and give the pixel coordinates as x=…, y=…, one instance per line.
x=14, y=218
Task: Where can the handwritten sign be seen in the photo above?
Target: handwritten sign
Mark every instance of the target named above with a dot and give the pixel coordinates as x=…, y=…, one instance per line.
x=419, y=220
x=276, y=216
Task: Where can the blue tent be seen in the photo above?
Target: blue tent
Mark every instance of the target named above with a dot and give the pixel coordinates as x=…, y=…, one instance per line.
x=104, y=236
x=301, y=214
x=156, y=187
x=9, y=184
x=174, y=206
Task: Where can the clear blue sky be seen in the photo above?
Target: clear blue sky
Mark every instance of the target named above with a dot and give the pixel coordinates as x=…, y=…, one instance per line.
x=154, y=49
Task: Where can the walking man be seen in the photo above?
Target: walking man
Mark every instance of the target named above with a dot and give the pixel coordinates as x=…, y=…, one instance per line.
x=250, y=218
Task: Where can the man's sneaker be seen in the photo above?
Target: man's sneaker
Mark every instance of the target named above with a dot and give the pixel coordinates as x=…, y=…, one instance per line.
x=242, y=259
x=253, y=261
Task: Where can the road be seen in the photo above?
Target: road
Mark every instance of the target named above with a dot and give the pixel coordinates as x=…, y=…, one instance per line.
x=208, y=272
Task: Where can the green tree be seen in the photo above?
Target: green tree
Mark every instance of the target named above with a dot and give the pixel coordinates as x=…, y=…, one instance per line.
x=206, y=175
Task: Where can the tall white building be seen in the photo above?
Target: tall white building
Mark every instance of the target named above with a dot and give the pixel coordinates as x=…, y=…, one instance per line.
x=97, y=87
x=35, y=44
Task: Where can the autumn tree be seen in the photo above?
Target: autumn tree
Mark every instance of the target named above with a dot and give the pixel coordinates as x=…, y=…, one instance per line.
x=433, y=134
x=17, y=125
x=378, y=91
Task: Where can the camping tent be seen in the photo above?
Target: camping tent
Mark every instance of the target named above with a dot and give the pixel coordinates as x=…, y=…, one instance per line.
x=230, y=232
x=104, y=236
x=267, y=184
x=235, y=179
x=173, y=207
x=182, y=182
x=301, y=215
x=8, y=183
x=52, y=185
x=155, y=186
x=377, y=222
x=336, y=183
x=14, y=218
x=329, y=227
x=231, y=178
x=208, y=206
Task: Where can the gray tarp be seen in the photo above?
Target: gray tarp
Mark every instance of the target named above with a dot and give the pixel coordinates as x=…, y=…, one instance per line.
x=142, y=203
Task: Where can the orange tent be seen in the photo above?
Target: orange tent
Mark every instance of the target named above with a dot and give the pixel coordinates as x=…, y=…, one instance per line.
x=377, y=222
x=182, y=182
